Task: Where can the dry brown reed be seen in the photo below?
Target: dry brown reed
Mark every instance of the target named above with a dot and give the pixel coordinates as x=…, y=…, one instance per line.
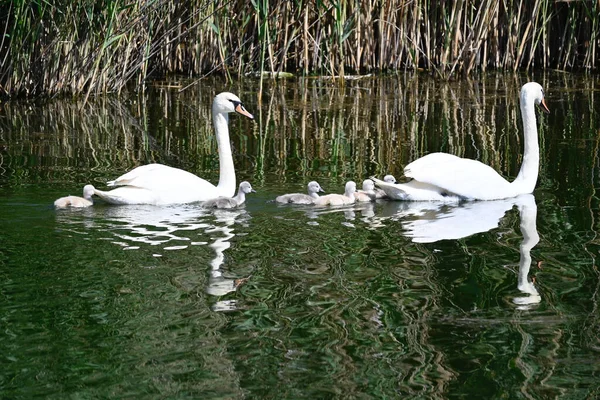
x=90, y=47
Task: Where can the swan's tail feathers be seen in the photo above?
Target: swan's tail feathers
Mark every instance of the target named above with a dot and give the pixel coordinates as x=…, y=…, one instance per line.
x=392, y=190
x=119, y=182
x=123, y=182
x=111, y=198
x=416, y=191
x=103, y=195
x=128, y=195
x=114, y=196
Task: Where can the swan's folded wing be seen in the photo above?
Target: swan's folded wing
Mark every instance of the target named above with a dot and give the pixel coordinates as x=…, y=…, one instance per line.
x=168, y=185
x=430, y=161
x=464, y=177
x=160, y=178
x=144, y=175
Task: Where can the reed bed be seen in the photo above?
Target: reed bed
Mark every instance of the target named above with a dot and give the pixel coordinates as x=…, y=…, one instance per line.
x=88, y=47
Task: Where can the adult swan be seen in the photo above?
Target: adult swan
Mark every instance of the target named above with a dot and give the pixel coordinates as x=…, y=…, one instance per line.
x=444, y=177
x=159, y=184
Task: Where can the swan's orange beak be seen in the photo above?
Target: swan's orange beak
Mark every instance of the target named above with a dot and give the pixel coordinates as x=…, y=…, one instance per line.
x=544, y=106
x=241, y=110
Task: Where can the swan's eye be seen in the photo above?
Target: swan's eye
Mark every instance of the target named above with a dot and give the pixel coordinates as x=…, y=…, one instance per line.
x=235, y=103
x=543, y=93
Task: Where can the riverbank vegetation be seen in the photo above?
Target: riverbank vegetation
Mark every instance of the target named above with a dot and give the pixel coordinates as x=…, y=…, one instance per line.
x=89, y=47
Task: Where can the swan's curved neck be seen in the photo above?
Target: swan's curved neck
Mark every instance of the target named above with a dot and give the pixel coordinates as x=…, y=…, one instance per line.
x=226, y=184
x=527, y=178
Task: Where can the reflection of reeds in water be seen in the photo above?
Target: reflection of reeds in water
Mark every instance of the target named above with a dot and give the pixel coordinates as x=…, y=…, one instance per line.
x=308, y=129
x=60, y=138
x=57, y=140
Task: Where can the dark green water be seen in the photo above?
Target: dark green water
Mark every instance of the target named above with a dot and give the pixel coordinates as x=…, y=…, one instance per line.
x=299, y=302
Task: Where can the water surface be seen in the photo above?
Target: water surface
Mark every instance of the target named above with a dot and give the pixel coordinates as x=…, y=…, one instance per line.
x=386, y=300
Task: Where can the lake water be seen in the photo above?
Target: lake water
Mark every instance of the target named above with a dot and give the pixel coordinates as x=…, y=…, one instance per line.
x=386, y=300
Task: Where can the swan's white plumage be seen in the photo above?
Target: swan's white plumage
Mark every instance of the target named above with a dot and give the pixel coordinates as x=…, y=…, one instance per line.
x=445, y=177
x=160, y=184
x=469, y=179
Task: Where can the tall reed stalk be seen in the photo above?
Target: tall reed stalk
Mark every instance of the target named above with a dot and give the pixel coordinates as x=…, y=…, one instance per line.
x=94, y=46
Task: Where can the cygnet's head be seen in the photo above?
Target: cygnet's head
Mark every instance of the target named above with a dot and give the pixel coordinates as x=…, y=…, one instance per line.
x=228, y=102
x=88, y=192
x=350, y=187
x=533, y=90
x=389, y=179
x=246, y=188
x=314, y=187
x=368, y=185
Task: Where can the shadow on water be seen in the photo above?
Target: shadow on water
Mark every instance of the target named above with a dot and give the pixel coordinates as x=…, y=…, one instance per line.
x=377, y=300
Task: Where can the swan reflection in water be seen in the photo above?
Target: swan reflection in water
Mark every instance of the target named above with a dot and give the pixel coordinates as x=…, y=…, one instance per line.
x=428, y=222
x=169, y=228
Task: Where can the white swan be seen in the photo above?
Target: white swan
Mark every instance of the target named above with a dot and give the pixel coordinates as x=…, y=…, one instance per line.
x=444, y=177
x=159, y=184
x=300, y=198
x=379, y=193
x=231, y=202
x=367, y=193
x=76, y=201
x=339, y=199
